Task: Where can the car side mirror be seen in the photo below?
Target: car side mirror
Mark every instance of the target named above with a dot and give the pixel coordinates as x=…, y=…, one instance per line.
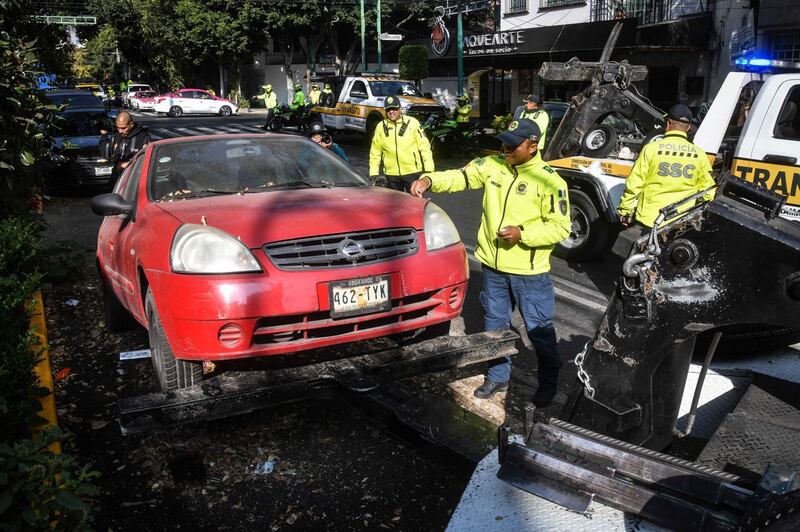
x=110, y=204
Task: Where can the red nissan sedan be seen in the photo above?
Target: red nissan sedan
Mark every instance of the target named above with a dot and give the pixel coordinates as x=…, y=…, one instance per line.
x=234, y=246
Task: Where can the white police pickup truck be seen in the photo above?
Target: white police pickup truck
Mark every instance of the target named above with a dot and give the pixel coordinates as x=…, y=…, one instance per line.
x=359, y=105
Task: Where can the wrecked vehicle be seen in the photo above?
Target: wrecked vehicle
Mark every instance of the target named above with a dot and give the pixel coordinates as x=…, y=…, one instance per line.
x=241, y=246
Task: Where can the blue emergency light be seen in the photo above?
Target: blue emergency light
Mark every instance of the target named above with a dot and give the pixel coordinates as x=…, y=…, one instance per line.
x=759, y=63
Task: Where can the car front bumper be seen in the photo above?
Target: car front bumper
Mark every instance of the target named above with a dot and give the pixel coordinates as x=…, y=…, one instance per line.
x=277, y=312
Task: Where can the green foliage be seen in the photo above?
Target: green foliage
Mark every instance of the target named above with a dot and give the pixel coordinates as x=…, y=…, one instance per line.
x=40, y=490
x=100, y=53
x=500, y=122
x=413, y=59
x=64, y=261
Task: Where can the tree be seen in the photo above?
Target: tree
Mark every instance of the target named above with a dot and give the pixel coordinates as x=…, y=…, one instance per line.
x=100, y=53
x=413, y=59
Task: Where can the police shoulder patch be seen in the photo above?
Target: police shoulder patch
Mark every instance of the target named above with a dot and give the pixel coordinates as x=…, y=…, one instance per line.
x=562, y=206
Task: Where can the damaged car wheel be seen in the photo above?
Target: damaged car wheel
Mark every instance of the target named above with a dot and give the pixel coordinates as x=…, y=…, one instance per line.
x=171, y=373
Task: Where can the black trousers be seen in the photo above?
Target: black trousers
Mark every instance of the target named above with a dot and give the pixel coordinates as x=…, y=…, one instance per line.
x=402, y=182
x=270, y=116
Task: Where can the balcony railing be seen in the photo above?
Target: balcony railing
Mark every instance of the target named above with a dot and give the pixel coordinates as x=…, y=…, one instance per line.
x=516, y=6
x=646, y=11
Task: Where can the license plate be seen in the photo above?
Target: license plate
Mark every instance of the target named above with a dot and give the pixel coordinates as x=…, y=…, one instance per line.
x=102, y=170
x=360, y=296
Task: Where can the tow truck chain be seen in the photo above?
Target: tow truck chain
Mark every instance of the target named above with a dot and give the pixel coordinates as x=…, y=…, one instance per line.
x=582, y=375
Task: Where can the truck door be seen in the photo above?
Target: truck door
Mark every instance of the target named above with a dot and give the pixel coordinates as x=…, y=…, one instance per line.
x=355, y=115
x=769, y=150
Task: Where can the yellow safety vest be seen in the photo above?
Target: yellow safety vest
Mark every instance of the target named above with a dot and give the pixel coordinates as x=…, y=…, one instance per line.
x=462, y=113
x=542, y=120
x=401, y=147
x=532, y=196
x=270, y=99
x=667, y=170
x=314, y=96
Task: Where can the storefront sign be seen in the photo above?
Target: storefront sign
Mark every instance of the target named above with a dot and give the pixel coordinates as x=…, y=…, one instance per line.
x=503, y=42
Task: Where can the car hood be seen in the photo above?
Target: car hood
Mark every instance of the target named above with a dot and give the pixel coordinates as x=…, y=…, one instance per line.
x=282, y=215
x=77, y=146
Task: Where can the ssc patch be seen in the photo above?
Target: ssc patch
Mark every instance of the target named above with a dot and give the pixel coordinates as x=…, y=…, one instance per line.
x=562, y=206
x=513, y=125
x=522, y=188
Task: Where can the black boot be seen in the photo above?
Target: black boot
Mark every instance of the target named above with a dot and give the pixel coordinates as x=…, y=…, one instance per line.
x=489, y=388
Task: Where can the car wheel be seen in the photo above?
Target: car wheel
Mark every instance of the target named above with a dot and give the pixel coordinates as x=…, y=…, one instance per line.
x=588, y=234
x=225, y=110
x=135, y=106
x=118, y=319
x=171, y=373
x=276, y=124
x=598, y=141
x=175, y=111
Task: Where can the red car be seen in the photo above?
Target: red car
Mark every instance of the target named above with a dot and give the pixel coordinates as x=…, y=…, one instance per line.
x=235, y=246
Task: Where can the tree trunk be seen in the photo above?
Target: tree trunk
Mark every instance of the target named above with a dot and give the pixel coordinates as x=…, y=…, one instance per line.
x=287, y=49
x=221, y=79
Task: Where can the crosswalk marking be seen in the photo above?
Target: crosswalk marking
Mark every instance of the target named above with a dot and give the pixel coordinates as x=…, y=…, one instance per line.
x=159, y=133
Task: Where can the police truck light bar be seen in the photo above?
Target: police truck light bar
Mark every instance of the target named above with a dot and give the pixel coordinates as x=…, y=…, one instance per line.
x=759, y=63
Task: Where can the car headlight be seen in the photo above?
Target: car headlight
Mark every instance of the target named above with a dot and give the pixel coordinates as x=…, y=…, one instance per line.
x=203, y=249
x=440, y=231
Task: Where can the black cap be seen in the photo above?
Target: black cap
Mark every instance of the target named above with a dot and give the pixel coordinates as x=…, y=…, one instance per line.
x=316, y=128
x=391, y=102
x=680, y=113
x=533, y=99
x=518, y=132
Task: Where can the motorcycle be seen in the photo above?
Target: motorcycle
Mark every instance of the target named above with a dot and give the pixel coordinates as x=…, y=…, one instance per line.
x=286, y=117
x=446, y=137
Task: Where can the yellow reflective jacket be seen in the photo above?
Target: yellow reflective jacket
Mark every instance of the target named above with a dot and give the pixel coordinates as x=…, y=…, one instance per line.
x=270, y=99
x=542, y=120
x=314, y=96
x=462, y=113
x=400, y=147
x=667, y=170
x=532, y=196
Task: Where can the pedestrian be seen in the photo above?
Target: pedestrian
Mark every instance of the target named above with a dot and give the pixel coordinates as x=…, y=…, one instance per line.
x=328, y=98
x=270, y=103
x=525, y=214
x=299, y=99
x=530, y=110
x=400, y=150
x=125, y=143
x=317, y=133
x=462, y=112
x=667, y=170
x=315, y=94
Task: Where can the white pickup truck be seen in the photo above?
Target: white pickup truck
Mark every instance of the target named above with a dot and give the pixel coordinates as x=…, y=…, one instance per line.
x=359, y=106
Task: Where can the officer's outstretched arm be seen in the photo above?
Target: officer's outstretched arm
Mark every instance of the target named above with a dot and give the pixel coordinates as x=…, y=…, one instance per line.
x=554, y=224
x=472, y=176
x=634, y=183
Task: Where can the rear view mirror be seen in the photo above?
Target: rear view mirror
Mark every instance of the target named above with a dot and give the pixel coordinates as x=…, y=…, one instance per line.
x=110, y=204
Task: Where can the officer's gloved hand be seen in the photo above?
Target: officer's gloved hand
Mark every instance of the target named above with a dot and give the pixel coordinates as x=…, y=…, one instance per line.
x=379, y=180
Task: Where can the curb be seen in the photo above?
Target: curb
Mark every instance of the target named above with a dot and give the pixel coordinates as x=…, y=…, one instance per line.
x=42, y=370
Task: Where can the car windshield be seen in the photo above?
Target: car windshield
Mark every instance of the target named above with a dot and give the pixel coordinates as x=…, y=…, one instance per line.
x=81, y=124
x=393, y=88
x=145, y=94
x=75, y=100
x=197, y=168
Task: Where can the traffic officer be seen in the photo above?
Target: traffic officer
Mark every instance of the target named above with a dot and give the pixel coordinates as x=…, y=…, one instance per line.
x=399, y=148
x=530, y=110
x=667, y=170
x=328, y=99
x=299, y=99
x=463, y=111
x=270, y=102
x=525, y=214
x=315, y=94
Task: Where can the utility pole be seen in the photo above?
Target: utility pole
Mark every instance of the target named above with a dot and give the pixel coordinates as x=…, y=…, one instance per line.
x=380, y=61
x=460, y=48
x=363, y=40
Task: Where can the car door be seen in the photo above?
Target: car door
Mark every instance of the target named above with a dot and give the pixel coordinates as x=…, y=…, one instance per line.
x=184, y=100
x=206, y=103
x=355, y=111
x=121, y=266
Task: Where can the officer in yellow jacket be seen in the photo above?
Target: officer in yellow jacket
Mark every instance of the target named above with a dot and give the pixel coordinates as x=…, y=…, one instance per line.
x=530, y=110
x=667, y=170
x=525, y=214
x=315, y=94
x=270, y=103
x=463, y=112
x=400, y=150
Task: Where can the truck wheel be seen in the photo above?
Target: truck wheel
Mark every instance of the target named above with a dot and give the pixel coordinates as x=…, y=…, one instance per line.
x=171, y=373
x=598, y=141
x=749, y=339
x=588, y=232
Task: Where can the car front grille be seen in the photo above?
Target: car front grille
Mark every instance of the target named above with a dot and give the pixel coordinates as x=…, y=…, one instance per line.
x=315, y=325
x=342, y=250
x=422, y=112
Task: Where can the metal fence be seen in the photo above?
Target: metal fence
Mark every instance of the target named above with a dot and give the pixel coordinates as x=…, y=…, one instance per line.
x=646, y=11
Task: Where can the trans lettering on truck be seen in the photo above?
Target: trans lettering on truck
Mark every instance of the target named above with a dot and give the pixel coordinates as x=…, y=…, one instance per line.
x=779, y=178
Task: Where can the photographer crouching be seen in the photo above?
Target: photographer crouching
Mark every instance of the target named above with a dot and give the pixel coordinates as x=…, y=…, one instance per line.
x=317, y=133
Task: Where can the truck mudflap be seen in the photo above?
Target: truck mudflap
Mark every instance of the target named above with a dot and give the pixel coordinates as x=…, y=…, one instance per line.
x=573, y=466
x=234, y=393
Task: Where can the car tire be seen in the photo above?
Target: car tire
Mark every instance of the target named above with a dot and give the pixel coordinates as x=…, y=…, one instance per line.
x=276, y=124
x=748, y=339
x=225, y=110
x=598, y=141
x=118, y=319
x=589, y=233
x=175, y=111
x=171, y=373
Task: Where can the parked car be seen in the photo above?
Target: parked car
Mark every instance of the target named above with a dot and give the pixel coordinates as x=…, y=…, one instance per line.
x=94, y=88
x=313, y=257
x=142, y=100
x=74, y=159
x=132, y=89
x=193, y=101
